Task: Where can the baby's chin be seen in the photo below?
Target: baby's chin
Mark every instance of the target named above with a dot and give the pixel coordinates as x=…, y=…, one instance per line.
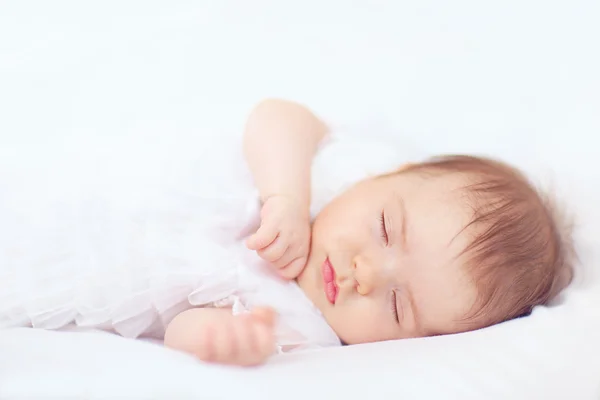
x=307, y=281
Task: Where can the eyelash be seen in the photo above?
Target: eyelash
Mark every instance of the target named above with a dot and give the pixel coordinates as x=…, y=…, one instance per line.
x=384, y=234
x=395, y=307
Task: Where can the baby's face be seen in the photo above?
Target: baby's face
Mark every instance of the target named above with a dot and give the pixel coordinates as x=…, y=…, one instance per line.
x=384, y=259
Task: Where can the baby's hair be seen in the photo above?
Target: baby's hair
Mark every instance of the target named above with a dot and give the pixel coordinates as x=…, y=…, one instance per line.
x=520, y=255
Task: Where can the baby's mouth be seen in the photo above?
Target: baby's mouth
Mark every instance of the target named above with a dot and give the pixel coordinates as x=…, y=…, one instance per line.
x=331, y=289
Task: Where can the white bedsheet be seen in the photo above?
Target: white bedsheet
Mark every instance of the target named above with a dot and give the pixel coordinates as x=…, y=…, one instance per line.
x=516, y=79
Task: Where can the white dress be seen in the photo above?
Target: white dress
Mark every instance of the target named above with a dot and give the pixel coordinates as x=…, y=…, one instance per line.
x=124, y=236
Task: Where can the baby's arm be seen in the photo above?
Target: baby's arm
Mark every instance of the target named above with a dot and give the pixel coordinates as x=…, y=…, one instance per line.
x=216, y=335
x=280, y=141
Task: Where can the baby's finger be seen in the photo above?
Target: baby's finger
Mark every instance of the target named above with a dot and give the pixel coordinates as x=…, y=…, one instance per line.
x=275, y=250
x=293, y=269
x=265, y=339
x=225, y=346
x=206, y=346
x=246, y=342
x=266, y=315
x=263, y=237
x=286, y=258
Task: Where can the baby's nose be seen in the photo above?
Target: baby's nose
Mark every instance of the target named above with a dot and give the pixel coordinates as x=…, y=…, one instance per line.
x=368, y=276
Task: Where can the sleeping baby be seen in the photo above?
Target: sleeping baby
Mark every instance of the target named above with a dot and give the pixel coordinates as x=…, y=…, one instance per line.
x=447, y=245
x=452, y=244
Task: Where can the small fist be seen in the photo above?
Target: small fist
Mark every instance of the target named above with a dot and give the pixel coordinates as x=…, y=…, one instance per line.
x=244, y=340
x=283, y=238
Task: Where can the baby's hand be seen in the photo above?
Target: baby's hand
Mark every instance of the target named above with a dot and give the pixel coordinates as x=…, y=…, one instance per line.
x=220, y=337
x=283, y=238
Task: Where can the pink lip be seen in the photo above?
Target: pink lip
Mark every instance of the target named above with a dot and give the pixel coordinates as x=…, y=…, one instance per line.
x=331, y=289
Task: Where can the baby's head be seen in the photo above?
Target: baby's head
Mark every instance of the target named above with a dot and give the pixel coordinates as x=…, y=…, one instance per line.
x=449, y=245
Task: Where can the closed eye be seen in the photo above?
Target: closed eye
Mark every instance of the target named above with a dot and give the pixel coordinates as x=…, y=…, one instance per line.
x=384, y=234
x=395, y=307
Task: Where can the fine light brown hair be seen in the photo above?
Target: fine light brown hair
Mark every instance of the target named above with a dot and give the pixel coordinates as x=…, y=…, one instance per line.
x=520, y=255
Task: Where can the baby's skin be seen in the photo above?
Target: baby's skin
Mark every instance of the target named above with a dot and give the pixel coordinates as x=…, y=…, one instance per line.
x=382, y=261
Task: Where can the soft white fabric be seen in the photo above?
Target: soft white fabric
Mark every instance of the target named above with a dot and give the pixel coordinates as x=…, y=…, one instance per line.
x=516, y=79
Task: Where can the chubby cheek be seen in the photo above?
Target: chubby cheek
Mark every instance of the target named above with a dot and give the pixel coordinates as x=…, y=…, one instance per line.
x=341, y=229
